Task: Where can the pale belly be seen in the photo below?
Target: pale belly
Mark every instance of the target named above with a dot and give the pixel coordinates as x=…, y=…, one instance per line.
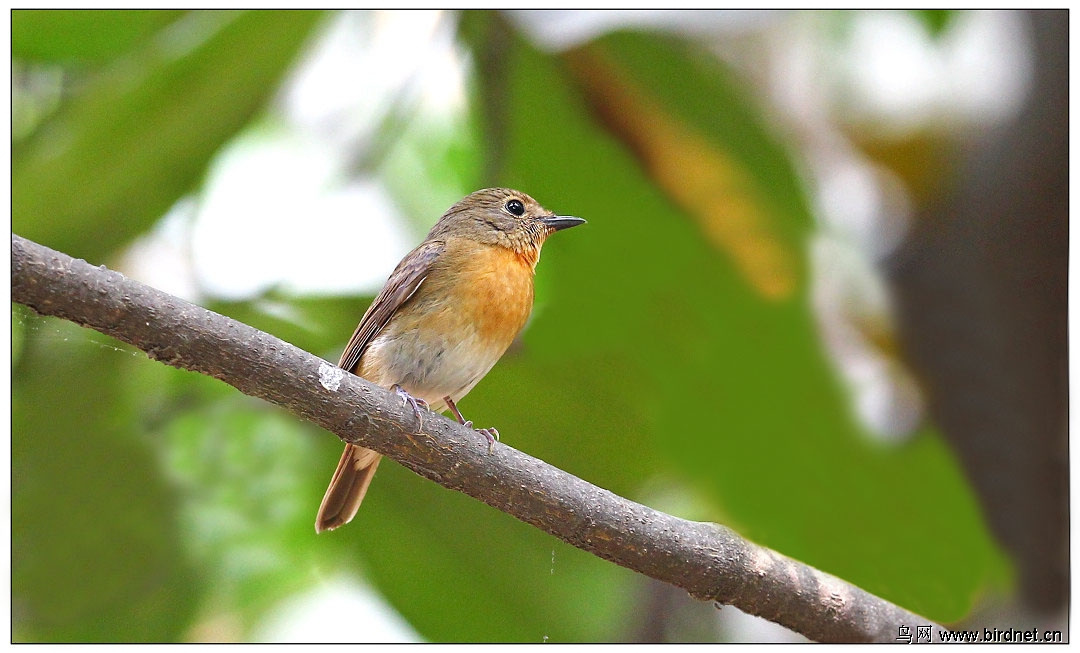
x=430, y=367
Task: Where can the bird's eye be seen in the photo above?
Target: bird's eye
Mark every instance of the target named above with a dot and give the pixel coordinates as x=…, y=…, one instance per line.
x=515, y=207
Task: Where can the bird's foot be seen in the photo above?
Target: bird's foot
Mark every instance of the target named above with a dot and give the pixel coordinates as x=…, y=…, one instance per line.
x=492, y=433
x=409, y=400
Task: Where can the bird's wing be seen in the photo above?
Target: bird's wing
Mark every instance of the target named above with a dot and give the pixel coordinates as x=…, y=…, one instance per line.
x=401, y=285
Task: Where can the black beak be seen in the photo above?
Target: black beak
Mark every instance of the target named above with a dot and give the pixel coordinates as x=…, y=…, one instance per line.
x=557, y=222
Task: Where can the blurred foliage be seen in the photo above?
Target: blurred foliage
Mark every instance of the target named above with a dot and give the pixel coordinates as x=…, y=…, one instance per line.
x=94, y=523
x=936, y=21
x=672, y=356
x=772, y=441
x=157, y=113
x=83, y=38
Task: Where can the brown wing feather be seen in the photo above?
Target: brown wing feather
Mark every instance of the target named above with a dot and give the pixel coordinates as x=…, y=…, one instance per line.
x=401, y=285
x=357, y=465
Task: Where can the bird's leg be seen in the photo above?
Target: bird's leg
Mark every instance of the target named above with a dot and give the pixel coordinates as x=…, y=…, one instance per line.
x=409, y=400
x=492, y=434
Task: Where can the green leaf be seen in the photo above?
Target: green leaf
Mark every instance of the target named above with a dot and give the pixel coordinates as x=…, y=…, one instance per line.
x=936, y=21
x=91, y=36
x=108, y=164
x=720, y=166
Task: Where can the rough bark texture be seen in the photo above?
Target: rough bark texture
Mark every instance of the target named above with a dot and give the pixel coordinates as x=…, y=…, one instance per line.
x=709, y=561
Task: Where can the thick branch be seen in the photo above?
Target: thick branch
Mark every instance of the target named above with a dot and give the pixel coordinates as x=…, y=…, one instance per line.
x=709, y=561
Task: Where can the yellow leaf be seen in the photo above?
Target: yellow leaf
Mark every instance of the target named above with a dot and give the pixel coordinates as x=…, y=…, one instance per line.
x=702, y=179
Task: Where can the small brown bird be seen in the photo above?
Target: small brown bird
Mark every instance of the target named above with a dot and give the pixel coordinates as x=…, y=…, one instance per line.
x=444, y=318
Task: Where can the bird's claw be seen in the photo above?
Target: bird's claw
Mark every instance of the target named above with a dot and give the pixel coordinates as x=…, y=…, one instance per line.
x=492, y=434
x=409, y=400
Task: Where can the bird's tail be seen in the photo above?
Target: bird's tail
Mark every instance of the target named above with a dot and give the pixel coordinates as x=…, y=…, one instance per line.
x=347, y=488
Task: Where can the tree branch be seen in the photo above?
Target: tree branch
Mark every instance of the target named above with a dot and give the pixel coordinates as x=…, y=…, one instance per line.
x=709, y=561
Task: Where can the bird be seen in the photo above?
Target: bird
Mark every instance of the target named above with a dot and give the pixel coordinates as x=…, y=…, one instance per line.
x=444, y=317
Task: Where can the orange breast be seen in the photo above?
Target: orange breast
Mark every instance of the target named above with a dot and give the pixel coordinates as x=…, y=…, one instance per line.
x=474, y=301
x=492, y=290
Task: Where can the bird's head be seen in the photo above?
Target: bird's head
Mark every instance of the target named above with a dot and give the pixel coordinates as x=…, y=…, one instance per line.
x=504, y=217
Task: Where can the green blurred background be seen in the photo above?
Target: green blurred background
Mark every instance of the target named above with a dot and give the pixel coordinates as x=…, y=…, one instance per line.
x=820, y=299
